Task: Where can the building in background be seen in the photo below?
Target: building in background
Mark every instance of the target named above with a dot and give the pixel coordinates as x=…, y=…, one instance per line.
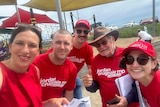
x=148, y=21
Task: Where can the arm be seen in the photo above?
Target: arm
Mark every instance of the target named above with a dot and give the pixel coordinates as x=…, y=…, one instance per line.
x=94, y=87
x=55, y=102
x=69, y=95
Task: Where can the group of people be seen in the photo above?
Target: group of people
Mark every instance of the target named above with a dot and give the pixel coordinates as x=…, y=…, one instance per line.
x=29, y=78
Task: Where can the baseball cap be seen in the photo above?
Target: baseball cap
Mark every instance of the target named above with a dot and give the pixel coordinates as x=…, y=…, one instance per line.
x=143, y=46
x=101, y=31
x=83, y=22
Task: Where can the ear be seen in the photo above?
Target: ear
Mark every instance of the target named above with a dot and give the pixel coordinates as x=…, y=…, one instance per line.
x=154, y=63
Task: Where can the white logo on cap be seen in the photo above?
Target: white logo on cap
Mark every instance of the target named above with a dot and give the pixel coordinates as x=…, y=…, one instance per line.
x=140, y=45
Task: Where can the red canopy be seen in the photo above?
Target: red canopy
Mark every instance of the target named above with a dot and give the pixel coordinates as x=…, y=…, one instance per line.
x=25, y=17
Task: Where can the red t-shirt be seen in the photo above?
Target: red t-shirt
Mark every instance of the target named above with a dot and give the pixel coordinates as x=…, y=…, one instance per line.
x=151, y=93
x=54, y=79
x=81, y=56
x=20, y=89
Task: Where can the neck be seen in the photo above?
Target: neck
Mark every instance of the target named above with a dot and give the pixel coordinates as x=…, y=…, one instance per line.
x=146, y=80
x=55, y=60
x=112, y=53
x=14, y=67
x=77, y=44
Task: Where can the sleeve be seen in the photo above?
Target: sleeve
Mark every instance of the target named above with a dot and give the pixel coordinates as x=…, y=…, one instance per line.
x=94, y=87
x=132, y=96
x=39, y=62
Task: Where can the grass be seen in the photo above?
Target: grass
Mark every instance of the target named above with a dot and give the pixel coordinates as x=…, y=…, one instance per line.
x=132, y=31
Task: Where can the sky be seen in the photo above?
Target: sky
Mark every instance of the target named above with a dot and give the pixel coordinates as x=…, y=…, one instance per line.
x=116, y=13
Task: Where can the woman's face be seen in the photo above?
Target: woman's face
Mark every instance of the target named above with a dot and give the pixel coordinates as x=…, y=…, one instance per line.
x=24, y=49
x=142, y=65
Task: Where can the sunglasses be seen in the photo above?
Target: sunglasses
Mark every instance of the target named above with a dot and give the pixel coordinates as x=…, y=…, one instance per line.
x=84, y=31
x=142, y=59
x=103, y=42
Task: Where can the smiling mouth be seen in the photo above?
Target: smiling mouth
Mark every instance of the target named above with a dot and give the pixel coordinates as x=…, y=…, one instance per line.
x=104, y=50
x=136, y=71
x=24, y=57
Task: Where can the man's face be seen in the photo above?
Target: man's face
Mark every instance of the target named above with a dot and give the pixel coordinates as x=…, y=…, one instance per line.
x=62, y=45
x=81, y=34
x=106, y=46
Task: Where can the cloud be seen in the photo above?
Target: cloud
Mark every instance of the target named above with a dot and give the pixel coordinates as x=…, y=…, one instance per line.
x=116, y=13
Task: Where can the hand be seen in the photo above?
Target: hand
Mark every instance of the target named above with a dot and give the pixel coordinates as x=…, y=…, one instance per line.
x=122, y=103
x=87, y=80
x=55, y=102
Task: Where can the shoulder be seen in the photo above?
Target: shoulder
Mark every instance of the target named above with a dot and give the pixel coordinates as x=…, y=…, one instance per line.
x=34, y=72
x=37, y=71
x=119, y=51
x=87, y=45
x=41, y=57
x=158, y=74
x=97, y=57
x=69, y=63
x=2, y=73
x=88, y=49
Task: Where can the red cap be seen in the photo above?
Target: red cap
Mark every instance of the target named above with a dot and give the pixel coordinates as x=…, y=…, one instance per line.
x=82, y=23
x=142, y=46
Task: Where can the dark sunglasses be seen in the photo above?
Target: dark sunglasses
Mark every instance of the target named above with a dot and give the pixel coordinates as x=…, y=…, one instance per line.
x=103, y=42
x=84, y=31
x=142, y=60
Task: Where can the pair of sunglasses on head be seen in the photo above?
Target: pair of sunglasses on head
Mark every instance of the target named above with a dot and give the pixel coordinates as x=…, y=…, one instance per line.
x=141, y=59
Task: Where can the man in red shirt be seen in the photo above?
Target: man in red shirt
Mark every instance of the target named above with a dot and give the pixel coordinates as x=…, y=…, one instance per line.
x=81, y=53
x=57, y=73
x=105, y=66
